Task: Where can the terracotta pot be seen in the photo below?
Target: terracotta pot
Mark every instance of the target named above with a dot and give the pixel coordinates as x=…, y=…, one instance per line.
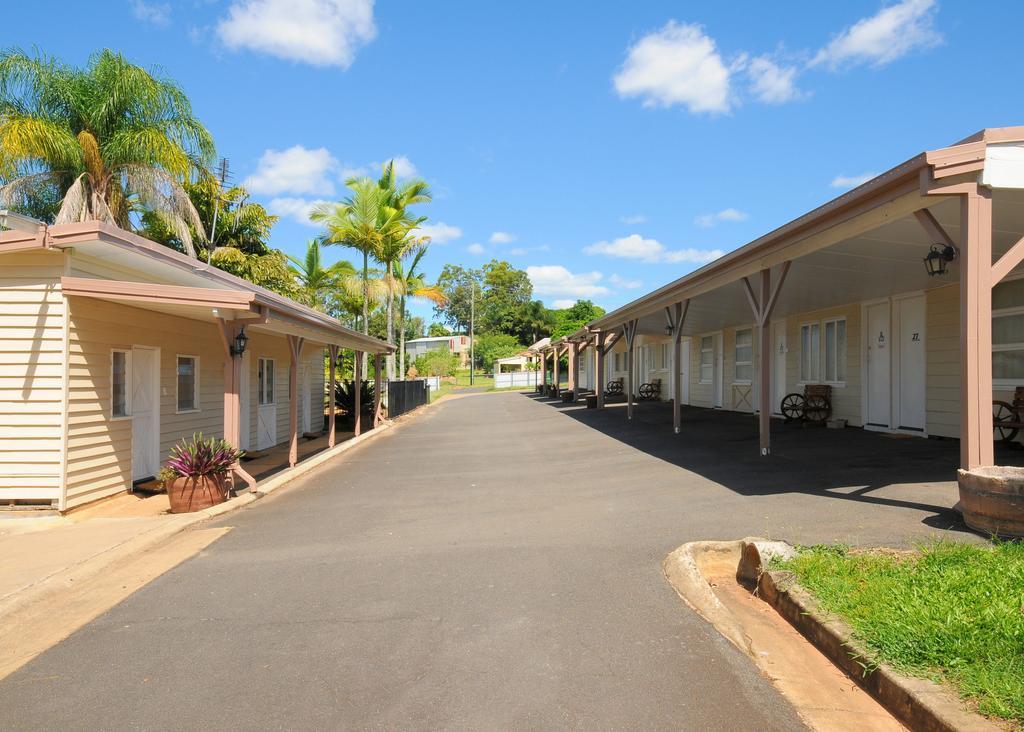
x=195, y=494
x=992, y=500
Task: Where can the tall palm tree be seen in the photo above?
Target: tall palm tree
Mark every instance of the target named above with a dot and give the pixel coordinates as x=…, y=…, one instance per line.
x=400, y=242
x=110, y=139
x=362, y=222
x=319, y=284
x=411, y=283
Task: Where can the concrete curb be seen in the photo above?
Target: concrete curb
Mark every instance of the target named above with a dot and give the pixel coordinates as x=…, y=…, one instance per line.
x=91, y=566
x=918, y=703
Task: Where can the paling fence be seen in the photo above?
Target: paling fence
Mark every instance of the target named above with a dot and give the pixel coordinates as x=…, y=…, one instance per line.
x=405, y=396
x=511, y=379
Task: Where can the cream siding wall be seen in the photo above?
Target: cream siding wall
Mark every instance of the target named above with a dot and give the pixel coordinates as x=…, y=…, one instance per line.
x=264, y=345
x=99, y=446
x=32, y=338
x=942, y=356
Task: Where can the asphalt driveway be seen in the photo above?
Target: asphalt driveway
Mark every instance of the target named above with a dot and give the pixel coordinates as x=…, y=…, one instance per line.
x=492, y=564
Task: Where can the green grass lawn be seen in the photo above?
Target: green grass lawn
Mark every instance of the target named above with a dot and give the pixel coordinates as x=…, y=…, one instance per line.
x=950, y=612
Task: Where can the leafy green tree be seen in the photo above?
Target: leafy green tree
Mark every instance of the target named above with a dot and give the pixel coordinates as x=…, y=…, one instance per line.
x=535, y=322
x=439, y=362
x=458, y=285
x=492, y=346
x=506, y=292
x=269, y=270
x=572, y=319
x=437, y=330
x=108, y=140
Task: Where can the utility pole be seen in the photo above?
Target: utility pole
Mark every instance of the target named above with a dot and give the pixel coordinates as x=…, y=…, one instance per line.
x=472, y=330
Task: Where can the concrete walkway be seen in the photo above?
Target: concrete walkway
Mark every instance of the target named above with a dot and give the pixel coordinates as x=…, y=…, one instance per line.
x=494, y=563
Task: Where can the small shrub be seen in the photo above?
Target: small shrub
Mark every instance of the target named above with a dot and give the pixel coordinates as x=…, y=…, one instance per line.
x=201, y=457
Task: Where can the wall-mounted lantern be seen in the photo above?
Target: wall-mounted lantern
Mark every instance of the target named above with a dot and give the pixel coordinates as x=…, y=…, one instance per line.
x=241, y=341
x=938, y=257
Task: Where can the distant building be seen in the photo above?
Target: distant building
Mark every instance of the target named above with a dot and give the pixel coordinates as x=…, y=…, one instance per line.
x=457, y=344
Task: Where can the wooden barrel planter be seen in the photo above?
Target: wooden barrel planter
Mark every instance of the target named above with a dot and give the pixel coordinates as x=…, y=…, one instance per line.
x=992, y=500
x=195, y=494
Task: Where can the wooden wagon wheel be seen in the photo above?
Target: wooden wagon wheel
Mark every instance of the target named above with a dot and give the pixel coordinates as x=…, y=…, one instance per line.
x=614, y=387
x=792, y=407
x=817, y=409
x=646, y=391
x=1003, y=416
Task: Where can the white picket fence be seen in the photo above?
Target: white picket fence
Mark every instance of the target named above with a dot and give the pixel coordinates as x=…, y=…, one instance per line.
x=511, y=379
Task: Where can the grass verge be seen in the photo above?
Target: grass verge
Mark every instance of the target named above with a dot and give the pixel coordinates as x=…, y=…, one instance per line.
x=950, y=612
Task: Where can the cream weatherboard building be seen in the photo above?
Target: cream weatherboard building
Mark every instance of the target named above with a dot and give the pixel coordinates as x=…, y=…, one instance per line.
x=843, y=297
x=112, y=348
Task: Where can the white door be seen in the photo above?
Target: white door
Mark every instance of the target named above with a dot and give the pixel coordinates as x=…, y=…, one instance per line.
x=879, y=387
x=266, y=407
x=910, y=314
x=779, y=350
x=245, y=403
x=145, y=401
x=305, y=405
x=718, y=378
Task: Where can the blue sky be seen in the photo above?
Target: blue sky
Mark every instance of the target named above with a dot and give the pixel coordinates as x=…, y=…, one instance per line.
x=607, y=148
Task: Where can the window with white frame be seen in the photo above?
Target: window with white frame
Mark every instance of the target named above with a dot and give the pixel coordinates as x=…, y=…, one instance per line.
x=188, y=383
x=810, y=352
x=835, y=350
x=1008, y=332
x=707, y=359
x=744, y=353
x=664, y=357
x=265, y=381
x=120, y=372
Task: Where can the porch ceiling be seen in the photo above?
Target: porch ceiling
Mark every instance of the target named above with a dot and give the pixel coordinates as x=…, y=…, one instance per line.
x=884, y=261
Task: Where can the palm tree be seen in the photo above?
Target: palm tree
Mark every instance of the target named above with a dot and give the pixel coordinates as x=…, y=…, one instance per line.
x=110, y=139
x=318, y=284
x=411, y=283
x=400, y=242
x=537, y=320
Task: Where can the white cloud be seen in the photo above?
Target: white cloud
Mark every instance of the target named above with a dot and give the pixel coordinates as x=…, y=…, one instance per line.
x=633, y=219
x=296, y=208
x=517, y=252
x=475, y=248
x=851, y=181
x=563, y=304
x=772, y=83
x=635, y=246
x=440, y=233
x=706, y=221
x=889, y=34
x=295, y=170
x=502, y=237
x=155, y=13
x=622, y=282
x=345, y=172
x=317, y=32
x=677, y=64
x=555, y=280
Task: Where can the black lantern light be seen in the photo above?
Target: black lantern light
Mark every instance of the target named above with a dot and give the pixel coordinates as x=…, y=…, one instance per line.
x=938, y=257
x=668, y=329
x=241, y=341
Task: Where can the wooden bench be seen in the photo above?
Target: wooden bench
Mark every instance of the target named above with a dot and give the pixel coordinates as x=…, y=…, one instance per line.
x=814, y=405
x=651, y=390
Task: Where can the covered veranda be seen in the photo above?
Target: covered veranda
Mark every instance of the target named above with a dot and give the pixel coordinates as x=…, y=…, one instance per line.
x=964, y=202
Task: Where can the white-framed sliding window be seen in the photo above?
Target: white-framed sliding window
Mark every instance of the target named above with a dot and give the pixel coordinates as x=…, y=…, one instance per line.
x=835, y=351
x=265, y=381
x=743, y=373
x=1008, y=333
x=187, y=381
x=810, y=352
x=707, y=359
x=120, y=383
